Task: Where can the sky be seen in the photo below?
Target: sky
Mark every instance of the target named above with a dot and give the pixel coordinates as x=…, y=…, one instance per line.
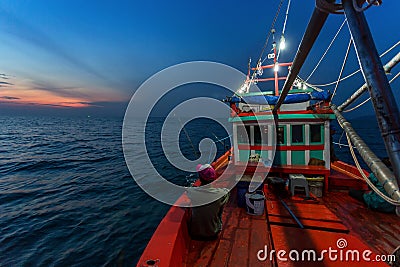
x=89, y=57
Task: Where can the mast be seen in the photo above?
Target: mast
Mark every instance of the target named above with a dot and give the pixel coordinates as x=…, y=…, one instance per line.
x=275, y=71
x=384, y=103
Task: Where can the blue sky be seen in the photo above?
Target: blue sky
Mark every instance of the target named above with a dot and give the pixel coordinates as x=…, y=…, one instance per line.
x=94, y=54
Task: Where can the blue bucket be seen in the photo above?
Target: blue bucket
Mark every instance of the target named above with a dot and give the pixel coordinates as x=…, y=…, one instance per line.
x=242, y=188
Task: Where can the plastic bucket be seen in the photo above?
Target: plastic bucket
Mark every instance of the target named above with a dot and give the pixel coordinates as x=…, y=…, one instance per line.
x=316, y=188
x=255, y=202
x=242, y=188
x=316, y=185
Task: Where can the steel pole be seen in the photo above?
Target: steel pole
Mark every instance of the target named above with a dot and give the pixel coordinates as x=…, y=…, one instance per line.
x=387, y=112
x=384, y=175
x=388, y=67
x=314, y=27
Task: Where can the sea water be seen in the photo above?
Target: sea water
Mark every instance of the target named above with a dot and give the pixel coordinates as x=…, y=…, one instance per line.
x=68, y=199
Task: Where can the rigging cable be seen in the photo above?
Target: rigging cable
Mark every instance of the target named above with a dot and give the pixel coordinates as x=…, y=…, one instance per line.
x=366, y=100
x=326, y=51
x=188, y=137
x=284, y=29
x=270, y=31
x=253, y=75
x=341, y=70
x=357, y=71
x=215, y=142
x=301, y=81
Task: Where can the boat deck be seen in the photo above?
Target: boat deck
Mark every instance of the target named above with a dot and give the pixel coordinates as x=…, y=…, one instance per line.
x=379, y=230
x=325, y=221
x=241, y=235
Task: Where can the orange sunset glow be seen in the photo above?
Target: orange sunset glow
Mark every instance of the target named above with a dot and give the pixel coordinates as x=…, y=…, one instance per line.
x=24, y=93
x=41, y=97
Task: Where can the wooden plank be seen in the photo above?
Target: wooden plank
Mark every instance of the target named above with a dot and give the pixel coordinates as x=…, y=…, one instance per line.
x=259, y=237
x=309, y=224
x=245, y=219
x=240, y=249
x=230, y=225
x=302, y=211
x=222, y=254
x=318, y=241
x=206, y=254
x=377, y=229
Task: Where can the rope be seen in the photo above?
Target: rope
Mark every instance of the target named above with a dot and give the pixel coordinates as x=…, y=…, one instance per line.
x=344, y=78
x=215, y=142
x=357, y=71
x=209, y=156
x=270, y=30
x=359, y=105
x=340, y=139
x=286, y=16
x=300, y=80
x=339, y=144
x=188, y=137
x=373, y=187
x=390, y=49
x=369, y=98
x=259, y=62
x=284, y=28
x=341, y=70
x=326, y=51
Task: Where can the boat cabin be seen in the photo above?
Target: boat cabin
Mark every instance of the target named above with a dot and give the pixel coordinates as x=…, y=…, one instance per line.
x=299, y=137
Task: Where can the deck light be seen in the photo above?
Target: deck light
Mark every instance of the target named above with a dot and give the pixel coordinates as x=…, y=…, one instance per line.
x=276, y=67
x=282, y=44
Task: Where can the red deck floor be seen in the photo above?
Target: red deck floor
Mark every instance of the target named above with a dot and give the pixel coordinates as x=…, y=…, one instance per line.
x=244, y=235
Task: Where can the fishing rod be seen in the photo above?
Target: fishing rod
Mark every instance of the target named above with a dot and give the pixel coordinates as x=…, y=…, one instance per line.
x=188, y=137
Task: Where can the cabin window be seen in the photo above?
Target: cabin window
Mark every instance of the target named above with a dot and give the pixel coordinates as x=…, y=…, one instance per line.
x=297, y=134
x=280, y=139
x=243, y=134
x=260, y=134
x=315, y=133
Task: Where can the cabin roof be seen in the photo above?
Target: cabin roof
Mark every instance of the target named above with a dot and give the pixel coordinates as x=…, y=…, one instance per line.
x=290, y=116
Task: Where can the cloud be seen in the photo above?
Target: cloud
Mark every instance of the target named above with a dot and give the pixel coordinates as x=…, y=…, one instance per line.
x=28, y=33
x=87, y=104
x=4, y=76
x=5, y=83
x=10, y=97
x=62, y=91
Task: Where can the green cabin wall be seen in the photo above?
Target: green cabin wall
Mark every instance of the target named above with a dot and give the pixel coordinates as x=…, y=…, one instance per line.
x=293, y=157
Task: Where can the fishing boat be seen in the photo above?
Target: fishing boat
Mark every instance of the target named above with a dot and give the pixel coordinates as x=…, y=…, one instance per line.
x=284, y=137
